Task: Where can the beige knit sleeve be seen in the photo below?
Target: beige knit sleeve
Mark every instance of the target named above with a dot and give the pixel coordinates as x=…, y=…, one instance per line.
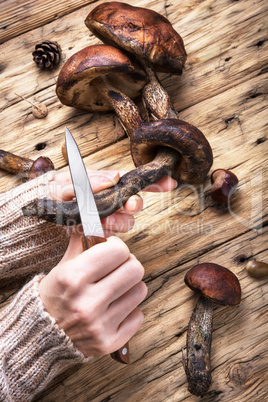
x=28, y=245
x=33, y=349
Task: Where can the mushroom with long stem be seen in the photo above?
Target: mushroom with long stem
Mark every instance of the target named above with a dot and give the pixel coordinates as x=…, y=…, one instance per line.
x=161, y=147
x=216, y=284
x=19, y=165
x=148, y=36
x=99, y=78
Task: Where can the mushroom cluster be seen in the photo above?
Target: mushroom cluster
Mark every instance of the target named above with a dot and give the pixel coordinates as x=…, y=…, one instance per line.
x=150, y=38
x=137, y=43
x=109, y=76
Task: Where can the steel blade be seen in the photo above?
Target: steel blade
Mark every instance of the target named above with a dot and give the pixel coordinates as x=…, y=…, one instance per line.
x=84, y=195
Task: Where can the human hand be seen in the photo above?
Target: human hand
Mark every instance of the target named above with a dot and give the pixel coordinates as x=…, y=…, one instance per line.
x=61, y=188
x=93, y=295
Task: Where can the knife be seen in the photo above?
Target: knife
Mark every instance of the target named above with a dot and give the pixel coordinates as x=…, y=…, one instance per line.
x=90, y=219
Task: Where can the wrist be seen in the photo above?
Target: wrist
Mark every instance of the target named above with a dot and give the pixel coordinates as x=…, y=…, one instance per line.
x=47, y=350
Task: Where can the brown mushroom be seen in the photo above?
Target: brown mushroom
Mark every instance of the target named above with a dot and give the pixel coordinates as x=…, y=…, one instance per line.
x=99, y=78
x=168, y=146
x=19, y=165
x=224, y=183
x=216, y=285
x=151, y=38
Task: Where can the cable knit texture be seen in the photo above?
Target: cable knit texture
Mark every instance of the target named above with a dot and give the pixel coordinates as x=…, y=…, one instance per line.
x=27, y=244
x=33, y=348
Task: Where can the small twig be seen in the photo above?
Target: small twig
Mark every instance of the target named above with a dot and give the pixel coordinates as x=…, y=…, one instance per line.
x=39, y=110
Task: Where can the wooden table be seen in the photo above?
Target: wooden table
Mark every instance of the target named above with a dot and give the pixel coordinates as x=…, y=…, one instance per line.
x=223, y=92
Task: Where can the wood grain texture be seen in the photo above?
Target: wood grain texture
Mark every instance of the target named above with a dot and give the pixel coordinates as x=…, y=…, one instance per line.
x=223, y=91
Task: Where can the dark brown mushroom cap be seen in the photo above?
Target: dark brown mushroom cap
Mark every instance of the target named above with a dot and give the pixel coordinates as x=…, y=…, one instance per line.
x=194, y=152
x=139, y=31
x=77, y=85
x=224, y=184
x=215, y=282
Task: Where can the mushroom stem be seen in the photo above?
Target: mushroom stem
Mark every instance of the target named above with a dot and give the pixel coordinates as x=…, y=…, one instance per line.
x=19, y=165
x=156, y=97
x=110, y=200
x=199, y=337
x=126, y=110
x=13, y=163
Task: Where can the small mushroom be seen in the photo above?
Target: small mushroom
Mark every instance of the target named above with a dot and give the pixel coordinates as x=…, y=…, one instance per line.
x=216, y=285
x=151, y=38
x=257, y=269
x=224, y=183
x=99, y=78
x=19, y=165
x=168, y=146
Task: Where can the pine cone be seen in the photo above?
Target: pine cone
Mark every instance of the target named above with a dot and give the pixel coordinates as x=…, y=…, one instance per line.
x=47, y=55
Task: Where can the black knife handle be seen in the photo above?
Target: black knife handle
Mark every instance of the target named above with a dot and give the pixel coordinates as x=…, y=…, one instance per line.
x=121, y=355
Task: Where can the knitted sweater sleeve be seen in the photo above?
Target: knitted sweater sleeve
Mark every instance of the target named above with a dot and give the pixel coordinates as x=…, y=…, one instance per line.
x=33, y=349
x=27, y=244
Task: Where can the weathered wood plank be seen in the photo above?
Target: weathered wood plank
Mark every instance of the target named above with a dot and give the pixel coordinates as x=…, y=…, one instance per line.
x=211, y=68
x=238, y=354
x=223, y=92
x=18, y=17
x=190, y=211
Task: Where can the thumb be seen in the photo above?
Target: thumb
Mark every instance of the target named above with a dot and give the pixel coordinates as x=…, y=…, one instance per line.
x=75, y=244
x=102, y=180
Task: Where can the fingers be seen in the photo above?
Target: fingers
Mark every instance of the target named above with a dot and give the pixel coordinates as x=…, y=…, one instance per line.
x=133, y=205
x=120, y=309
x=120, y=281
x=118, y=222
x=94, y=264
x=94, y=295
x=164, y=184
x=61, y=187
x=128, y=328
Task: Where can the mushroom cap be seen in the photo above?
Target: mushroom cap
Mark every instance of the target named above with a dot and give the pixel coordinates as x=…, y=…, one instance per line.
x=77, y=83
x=215, y=282
x=140, y=31
x=194, y=152
x=224, y=184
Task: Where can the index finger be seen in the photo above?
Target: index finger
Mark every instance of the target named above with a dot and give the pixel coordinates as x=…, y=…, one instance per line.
x=61, y=187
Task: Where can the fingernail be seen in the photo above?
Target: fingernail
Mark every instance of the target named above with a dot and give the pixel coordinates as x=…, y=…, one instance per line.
x=132, y=203
x=111, y=178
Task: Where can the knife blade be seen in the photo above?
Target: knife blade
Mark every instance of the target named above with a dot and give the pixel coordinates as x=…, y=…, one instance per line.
x=90, y=219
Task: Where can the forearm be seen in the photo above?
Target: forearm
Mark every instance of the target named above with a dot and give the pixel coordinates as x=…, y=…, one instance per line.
x=28, y=245
x=33, y=348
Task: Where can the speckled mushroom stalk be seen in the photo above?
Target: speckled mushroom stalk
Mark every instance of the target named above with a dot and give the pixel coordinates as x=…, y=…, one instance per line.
x=148, y=36
x=100, y=78
x=158, y=148
x=216, y=284
x=20, y=165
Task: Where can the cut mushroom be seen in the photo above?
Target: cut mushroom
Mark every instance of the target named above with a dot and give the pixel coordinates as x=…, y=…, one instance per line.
x=163, y=147
x=151, y=38
x=99, y=78
x=216, y=285
x=19, y=165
